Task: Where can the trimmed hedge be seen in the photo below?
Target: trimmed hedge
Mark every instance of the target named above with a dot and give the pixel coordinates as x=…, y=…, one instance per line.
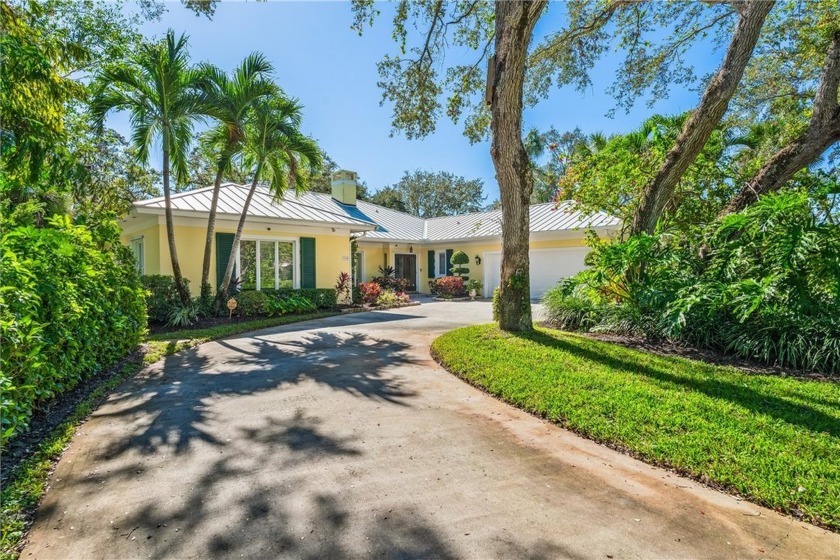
x=71, y=304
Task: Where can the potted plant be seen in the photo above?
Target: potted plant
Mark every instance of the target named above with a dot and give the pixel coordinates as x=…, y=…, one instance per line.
x=474, y=286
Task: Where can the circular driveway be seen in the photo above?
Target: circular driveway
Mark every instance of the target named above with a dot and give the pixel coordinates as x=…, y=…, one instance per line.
x=341, y=438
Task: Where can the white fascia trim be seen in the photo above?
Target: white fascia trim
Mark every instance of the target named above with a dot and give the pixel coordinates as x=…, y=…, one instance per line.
x=341, y=230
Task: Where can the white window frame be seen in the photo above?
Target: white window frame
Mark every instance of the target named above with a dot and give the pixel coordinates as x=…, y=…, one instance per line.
x=440, y=269
x=295, y=241
x=139, y=255
x=360, y=259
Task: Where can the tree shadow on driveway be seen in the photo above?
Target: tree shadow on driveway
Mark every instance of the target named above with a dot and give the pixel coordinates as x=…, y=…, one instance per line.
x=169, y=409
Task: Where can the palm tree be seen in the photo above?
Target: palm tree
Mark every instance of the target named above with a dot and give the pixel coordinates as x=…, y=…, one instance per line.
x=162, y=93
x=278, y=153
x=231, y=97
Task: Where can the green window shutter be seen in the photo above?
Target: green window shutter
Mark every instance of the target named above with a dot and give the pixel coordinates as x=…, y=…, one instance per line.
x=449, y=262
x=307, y=262
x=431, y=265
x=224, y=247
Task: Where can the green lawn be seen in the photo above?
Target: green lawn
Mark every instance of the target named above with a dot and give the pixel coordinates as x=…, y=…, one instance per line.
x=24, y=488
x=772, y=439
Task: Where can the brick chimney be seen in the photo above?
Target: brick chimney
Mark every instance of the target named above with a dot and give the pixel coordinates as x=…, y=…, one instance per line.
x=344, y=186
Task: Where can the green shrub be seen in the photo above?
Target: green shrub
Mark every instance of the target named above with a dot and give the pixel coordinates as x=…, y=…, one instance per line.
x=161, y=296
x=458, y=260
x=285, y=304
x=762, y=284
x=496, y=313
x=323, y=298
x=251, y=302
x=566, y=312
x=185, y=315
x=71, y=304
x=770, y=290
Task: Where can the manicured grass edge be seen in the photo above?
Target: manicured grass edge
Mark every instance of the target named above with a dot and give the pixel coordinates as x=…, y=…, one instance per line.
x=24, y=489
x=219, y=331
x=701, y=478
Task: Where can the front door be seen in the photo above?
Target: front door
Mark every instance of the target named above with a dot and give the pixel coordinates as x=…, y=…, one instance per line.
x=405, y=266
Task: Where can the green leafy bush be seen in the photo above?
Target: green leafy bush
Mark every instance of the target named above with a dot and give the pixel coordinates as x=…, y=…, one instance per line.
x=285, y=304
x=323, y=298
x=458, y=260
x=71, y=304
x=185, y=315
x=762, y=284
x=251, y=302
x=161, y=296
x=771, y=288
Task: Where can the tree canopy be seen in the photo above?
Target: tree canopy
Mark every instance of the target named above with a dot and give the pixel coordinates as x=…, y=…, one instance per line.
x=429, y=194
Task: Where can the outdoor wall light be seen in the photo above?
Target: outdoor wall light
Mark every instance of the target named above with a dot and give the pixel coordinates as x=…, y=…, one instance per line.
x=410, y=249
x=477, y=260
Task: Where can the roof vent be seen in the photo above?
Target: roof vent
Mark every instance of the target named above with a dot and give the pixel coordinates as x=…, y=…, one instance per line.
x=344, y=186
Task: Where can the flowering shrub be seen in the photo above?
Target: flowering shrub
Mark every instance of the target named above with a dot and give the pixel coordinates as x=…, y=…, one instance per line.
x=370, y=292
x=403, y=297
x=448, y=287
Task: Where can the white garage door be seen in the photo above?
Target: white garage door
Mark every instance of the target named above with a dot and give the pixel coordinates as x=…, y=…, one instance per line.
x=548, y=266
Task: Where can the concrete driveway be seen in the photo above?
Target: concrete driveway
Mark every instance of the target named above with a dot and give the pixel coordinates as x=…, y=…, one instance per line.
x=341, y=438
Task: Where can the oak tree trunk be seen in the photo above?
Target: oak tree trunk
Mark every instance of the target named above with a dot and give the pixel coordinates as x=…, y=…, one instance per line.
x=514, y=25
x=702, y=122
x=208, y=242
x=823, y=131
x=183, y=293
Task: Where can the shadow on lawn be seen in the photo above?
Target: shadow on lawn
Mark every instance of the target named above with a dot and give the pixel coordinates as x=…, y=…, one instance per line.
x=791, y=412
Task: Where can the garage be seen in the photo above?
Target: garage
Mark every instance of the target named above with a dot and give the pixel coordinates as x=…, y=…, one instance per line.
x=548, y=266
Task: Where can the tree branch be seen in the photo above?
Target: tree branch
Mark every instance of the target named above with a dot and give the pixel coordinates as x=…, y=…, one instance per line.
x=823, y=131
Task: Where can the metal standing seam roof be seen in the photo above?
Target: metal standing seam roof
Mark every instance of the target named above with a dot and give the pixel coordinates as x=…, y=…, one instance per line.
x=543, y=218
x=232, y=199
x=390, y=224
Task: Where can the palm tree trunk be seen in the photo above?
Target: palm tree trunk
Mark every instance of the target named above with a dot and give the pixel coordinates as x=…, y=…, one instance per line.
x=823, y=131
x=170, y=229
x=514, y=24
x=208, y=241
x=239, y=227
x=702, y=122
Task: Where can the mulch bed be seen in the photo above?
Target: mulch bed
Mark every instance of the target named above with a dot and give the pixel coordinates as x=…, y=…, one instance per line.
x=45, y=420
x=203, y=323
x=670, y=348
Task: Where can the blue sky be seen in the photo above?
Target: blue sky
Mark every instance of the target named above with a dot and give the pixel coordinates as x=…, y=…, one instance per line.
x=332, y=70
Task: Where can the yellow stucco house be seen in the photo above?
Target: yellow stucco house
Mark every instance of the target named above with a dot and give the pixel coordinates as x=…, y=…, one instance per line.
x=305, y=241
